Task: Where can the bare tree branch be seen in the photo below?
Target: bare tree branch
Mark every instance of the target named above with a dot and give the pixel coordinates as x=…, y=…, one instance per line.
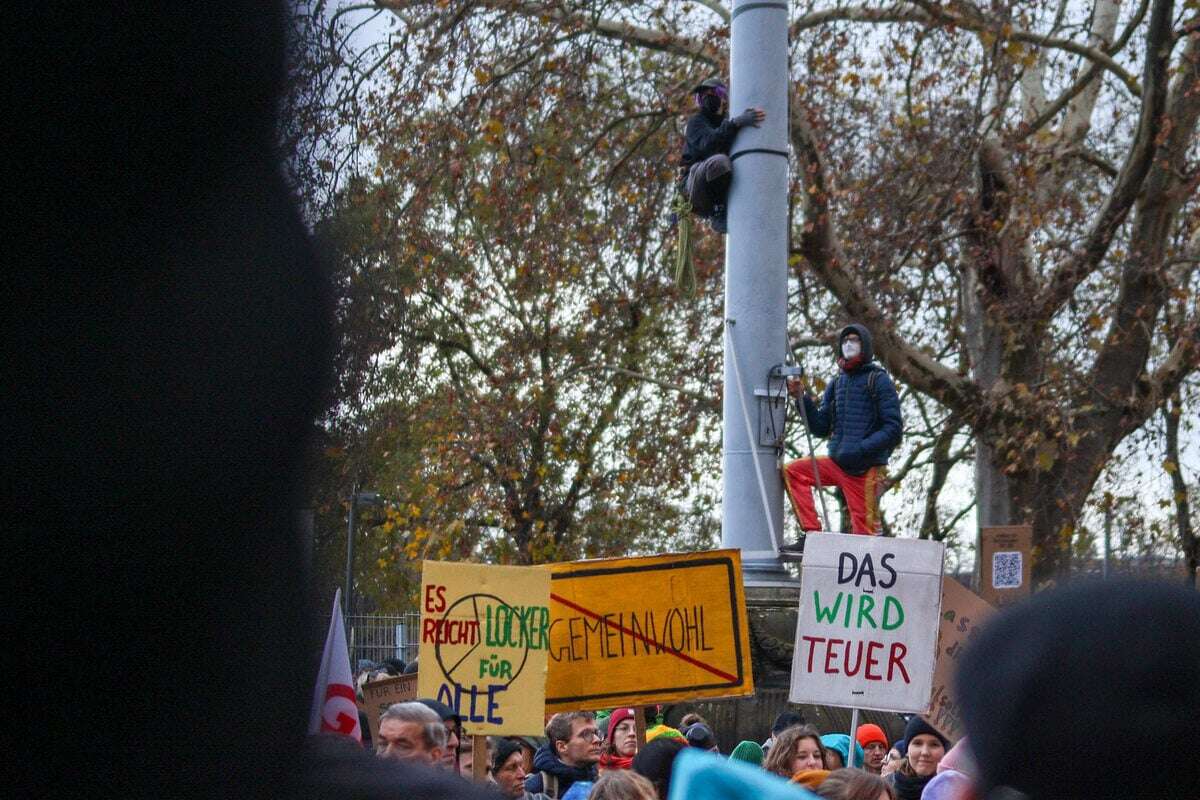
x=637, y=35
x=716, y=7
x=822, y=249
x=1133, y=173
x=927, y=13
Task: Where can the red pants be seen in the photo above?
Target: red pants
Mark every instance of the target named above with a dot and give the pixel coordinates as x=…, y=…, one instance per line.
x=861, y=491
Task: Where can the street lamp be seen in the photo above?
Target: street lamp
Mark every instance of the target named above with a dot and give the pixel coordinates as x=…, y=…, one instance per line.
x=357, y=498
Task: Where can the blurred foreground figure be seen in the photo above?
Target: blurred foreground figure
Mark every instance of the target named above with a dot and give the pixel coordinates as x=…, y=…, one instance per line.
x=167, y=344
x=1109, y=667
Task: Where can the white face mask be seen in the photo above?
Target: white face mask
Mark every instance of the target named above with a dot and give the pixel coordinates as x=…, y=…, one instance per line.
x=850, y=349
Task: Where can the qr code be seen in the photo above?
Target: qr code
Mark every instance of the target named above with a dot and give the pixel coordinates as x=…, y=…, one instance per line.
x=1006, y=570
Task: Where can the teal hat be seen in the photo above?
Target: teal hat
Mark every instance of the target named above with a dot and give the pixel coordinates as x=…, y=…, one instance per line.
x=750, y=752
x=841, y=743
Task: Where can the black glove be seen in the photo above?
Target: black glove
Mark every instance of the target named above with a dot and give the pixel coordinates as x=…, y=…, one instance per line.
x=747, y=117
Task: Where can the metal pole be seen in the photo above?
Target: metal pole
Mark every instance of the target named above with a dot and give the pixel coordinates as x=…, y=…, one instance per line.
x=755, y=277
x=853, y=738
x=348, y=593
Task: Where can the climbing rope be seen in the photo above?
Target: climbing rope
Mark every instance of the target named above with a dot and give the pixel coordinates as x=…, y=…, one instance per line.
x=685, y=271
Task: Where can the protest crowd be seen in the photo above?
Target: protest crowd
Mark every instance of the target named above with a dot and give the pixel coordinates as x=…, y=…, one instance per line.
x=1025, y=710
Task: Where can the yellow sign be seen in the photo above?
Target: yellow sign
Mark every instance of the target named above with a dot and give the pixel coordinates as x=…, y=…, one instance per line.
x=484, y=642
x=634, y=631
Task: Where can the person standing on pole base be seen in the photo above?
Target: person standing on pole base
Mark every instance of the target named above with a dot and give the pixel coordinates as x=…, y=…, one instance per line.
x=860, y=413
x=705, y=167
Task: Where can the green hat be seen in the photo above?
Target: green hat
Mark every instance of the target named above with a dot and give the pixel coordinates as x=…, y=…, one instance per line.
x=749, y=752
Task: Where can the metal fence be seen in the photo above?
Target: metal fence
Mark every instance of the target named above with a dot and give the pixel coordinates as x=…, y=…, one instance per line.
x=374, y=637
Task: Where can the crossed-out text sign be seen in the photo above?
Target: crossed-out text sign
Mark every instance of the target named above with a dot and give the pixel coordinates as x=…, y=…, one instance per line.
x=634, y=631
x=867, y=629
x=484, y=644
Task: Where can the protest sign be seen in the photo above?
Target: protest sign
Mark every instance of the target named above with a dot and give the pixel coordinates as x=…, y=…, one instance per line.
x=632, y=631
x=378, y=695
x=962, y=613
x=1005, y=563
x=484, y=644
x=868, y=622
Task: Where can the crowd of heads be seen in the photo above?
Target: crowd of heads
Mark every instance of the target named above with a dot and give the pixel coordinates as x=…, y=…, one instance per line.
x=1022, y=715
x=589, y=756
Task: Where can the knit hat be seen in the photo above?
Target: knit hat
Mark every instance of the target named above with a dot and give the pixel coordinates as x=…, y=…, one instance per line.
x=502, y=752
x=785, y=720
x=618, y=716
x=810, y=778
x=664, y=732
x=840, y=743
x=870, y=732
x=917, y=726
x=1095, y=667
x=700, y=735
x=750, y=752
x=443, y=711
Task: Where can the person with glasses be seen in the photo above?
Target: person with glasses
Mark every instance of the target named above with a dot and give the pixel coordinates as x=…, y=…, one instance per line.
x=570, y=755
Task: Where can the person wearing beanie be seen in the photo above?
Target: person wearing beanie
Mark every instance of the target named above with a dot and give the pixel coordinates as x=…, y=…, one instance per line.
x=750, y=752
x=1093, y=667
x=654, y=762
x=700, y=735
x=837, y=751
x=784, y=720
x=453, y=723
x=705, y=169
x=925, y=748
x=621, y=745
x=874, y=743
x=860, y=413
x=508, y=771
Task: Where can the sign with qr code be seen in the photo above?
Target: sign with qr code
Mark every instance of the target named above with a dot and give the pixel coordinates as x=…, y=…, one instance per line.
x=866, y=633
x=1006, y=570
x=1005, y=563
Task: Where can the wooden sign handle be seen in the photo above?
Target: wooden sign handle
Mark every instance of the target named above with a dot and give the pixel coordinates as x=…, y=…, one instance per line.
x=639, y=721
x=479, y=765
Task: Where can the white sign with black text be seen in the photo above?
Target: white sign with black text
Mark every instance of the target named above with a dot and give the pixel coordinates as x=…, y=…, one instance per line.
x=866, y=634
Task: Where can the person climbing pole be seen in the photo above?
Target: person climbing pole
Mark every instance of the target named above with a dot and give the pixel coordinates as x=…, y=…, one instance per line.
x=705, y=167
x=860, y=413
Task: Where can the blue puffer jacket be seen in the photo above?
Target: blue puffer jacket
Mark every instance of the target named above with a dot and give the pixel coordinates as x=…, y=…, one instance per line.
x=864, y=433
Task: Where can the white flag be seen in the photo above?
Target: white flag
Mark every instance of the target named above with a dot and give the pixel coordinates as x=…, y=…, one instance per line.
x=333, y=708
